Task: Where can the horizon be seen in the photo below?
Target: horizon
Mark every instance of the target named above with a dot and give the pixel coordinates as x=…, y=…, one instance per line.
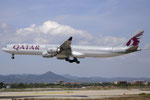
x=70, y=75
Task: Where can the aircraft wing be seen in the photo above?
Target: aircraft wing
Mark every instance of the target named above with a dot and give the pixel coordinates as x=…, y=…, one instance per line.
x=66, y=44
x=65, y=48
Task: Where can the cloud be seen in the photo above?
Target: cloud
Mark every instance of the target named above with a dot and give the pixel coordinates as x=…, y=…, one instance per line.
x=53, y=32
x=40, y=40
x=54, y=29
x=7, y=34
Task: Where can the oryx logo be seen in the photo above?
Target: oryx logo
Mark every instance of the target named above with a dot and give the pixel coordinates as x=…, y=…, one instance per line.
x=134, y=41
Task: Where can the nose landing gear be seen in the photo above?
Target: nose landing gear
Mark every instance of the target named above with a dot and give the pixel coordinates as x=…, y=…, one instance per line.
x=12, y=57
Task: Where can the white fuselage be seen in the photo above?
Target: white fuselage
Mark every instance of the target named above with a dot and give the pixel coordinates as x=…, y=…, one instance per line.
x=77, y=51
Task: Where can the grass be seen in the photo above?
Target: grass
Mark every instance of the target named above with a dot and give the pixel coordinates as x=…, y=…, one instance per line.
x=118, y=98
x=142, y=96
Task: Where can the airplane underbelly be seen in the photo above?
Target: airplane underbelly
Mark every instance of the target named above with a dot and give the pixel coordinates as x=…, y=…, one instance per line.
x=102, y=54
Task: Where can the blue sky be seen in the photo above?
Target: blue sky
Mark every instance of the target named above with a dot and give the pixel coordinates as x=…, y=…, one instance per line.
x=90, y=22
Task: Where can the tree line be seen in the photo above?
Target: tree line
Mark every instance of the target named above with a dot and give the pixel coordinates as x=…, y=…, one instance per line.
x=68, y=85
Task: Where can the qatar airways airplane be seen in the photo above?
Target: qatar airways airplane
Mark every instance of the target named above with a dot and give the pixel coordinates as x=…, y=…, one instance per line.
x=72, y=53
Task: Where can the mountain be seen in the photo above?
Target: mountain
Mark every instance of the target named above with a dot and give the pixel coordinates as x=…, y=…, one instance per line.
x=102, y=79
x=71, y=77
x=50, y=77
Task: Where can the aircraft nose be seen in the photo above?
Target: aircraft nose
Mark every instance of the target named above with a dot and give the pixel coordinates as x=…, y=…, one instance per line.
x=4, y=49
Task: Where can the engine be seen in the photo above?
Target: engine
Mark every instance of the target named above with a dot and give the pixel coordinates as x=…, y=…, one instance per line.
x=51, y=52
x=45, y=54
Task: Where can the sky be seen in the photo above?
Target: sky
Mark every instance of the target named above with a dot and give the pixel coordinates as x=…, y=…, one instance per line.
x=90, y=22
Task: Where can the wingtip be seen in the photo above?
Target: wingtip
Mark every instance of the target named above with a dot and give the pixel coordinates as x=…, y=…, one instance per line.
x=70, y=39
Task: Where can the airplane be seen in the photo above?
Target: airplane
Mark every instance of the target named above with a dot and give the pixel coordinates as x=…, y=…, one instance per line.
x=71, y=53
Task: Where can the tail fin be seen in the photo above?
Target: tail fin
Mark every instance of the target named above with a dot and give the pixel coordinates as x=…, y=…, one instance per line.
x=135, y=40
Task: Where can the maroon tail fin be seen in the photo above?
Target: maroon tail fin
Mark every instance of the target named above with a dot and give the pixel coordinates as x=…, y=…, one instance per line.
x=135, y=40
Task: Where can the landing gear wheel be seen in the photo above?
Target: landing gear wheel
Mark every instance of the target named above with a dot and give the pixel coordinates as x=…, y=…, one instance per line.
x=12, y=56
x=74, y=60
x=70, y=61
x=78, y=62
x=67, y=59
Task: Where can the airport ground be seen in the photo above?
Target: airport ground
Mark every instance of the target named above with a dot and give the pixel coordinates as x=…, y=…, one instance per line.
x=75, y=94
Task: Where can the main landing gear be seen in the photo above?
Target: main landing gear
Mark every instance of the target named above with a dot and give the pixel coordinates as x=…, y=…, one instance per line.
x=12, y=57
x=74, y=60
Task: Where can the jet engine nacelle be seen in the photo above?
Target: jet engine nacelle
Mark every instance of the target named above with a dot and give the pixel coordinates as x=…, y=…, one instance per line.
x=45, y=54
x=51, y=50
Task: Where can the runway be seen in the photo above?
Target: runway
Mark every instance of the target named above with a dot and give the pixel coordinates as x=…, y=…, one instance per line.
x=71, y=94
